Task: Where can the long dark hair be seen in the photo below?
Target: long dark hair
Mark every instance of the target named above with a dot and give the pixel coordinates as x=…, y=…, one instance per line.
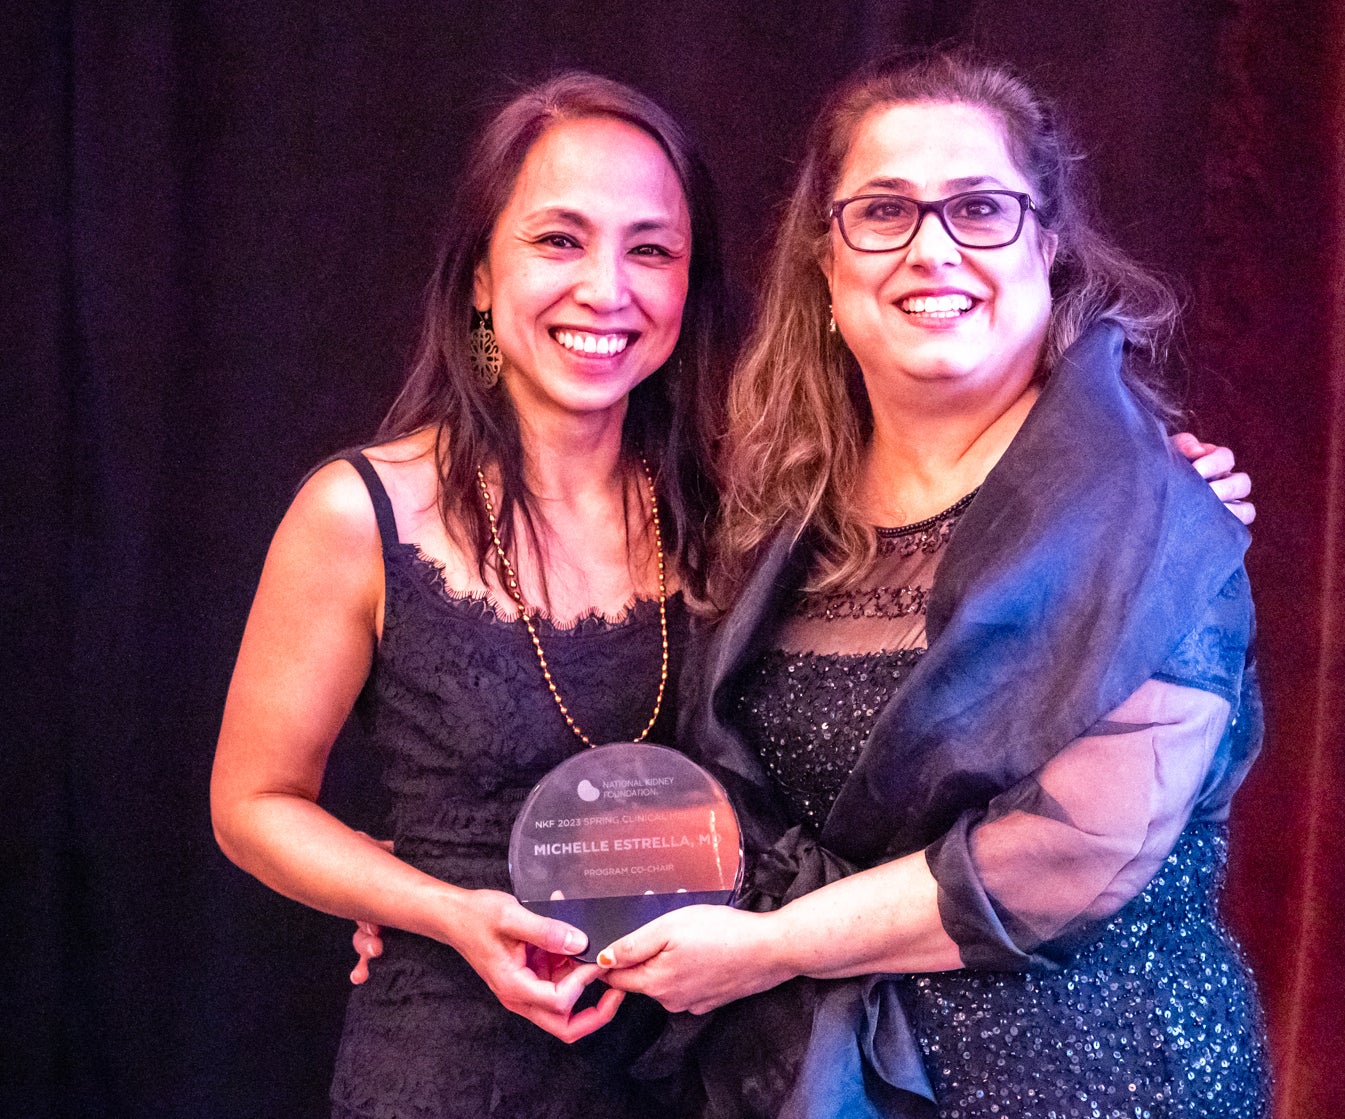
x=798, y=415
x=672, y=415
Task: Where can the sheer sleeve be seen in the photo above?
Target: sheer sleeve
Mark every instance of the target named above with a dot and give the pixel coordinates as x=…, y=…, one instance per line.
x=1069, y=846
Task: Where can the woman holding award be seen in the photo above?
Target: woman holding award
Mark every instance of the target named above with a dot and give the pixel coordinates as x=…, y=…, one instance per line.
x=984, y=751
x=492, y=583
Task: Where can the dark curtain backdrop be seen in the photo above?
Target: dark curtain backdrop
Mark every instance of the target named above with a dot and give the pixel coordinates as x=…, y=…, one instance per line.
x=215, y=223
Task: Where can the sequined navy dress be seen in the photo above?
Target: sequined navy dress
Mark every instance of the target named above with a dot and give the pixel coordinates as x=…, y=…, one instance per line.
x=1048, y=691
x=457, y=706
x=1155, y=1016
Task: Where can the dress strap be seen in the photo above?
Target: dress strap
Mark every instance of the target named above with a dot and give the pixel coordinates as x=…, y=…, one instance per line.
x=387, y=522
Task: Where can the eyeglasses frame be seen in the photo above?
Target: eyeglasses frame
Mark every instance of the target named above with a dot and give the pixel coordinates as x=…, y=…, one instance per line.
x=923, y=209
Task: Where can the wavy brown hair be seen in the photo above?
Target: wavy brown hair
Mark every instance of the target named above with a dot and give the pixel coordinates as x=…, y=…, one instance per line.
x=798, y=415
x=672, y=414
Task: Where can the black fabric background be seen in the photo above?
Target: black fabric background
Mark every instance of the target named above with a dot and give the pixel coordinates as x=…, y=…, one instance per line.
x=215, y=222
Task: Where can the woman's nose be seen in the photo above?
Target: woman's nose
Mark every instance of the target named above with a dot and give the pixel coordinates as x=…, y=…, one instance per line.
x=603, y=283
x=932, y=246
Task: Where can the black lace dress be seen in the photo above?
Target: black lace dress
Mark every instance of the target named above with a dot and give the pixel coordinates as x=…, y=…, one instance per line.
x=457, y=705
x=1150, y=1016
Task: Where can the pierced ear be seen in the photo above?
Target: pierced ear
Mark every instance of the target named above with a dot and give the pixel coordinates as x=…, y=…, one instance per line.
x=831, y=313
x=481, y=287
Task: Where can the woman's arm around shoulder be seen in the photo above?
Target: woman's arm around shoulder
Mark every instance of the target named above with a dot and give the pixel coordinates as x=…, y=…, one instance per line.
x=1215, y=464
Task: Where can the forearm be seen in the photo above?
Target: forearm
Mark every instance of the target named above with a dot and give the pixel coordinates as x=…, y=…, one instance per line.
x=295, y=847
x=300, y=850
x=885, y=919
x=882, y=920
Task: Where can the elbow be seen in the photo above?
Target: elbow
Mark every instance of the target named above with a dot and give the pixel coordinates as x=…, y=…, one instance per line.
x=223, y=837
x=223, y=823
x=1122, y=848
x=252, y=823
x=233, y=818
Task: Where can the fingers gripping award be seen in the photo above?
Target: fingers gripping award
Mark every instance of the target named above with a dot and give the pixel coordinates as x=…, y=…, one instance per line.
x=621, y=834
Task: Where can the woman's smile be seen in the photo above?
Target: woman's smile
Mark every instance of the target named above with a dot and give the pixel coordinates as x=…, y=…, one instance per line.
x=591, y=344
x=936, y=307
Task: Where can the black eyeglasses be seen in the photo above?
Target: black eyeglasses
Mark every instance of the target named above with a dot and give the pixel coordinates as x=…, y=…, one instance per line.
x=976, y=219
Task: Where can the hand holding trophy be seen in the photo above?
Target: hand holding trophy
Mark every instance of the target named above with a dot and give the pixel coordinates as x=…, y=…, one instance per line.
x=621, y=834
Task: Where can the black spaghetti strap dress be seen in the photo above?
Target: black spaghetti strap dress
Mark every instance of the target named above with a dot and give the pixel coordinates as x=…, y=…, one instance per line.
x=457, y=706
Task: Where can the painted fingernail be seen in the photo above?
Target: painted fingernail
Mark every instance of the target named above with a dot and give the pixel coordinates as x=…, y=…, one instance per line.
x=606, y=958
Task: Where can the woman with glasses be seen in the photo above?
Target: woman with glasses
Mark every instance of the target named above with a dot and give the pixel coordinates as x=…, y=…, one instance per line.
x=985, y=689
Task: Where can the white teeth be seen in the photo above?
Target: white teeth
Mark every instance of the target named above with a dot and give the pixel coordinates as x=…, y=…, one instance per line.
x=943, y=306
x=603, y=344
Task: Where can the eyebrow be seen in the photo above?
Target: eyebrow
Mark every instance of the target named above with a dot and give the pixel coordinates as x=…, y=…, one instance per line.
x=899, y=186
x=574, y=217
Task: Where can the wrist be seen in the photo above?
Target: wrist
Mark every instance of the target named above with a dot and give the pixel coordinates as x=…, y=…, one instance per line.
x=445, y=911
x=782, y=944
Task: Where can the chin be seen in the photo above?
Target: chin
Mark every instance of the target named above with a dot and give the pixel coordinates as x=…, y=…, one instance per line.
x=939, y=369
x=589, y=400
x=975, y=364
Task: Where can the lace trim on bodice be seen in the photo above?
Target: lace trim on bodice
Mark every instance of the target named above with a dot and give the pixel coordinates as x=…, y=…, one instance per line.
x=899, y=584
x=483, y=607
x=460, y=711
x=876, y=602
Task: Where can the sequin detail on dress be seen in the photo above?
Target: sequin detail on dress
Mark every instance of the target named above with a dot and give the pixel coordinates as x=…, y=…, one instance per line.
x=813, y=713
x=929, y=535
x=1151, y=1017
x=809, y=713
x=1151, y=1020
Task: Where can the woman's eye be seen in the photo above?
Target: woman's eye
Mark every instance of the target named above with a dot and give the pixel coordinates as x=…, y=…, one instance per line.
x=980, y=206
x=651, y=250
x=887, y=210
x=558, y=241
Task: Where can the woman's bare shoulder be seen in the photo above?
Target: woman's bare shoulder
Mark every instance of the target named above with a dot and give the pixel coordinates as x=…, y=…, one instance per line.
x=414, y=451
x=332, y=513
x=409, y=470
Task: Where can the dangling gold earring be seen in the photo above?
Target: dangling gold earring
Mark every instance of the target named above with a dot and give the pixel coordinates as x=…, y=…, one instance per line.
x=484, y=350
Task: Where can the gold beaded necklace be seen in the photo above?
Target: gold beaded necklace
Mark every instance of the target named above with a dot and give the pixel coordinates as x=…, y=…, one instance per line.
x=511, y=584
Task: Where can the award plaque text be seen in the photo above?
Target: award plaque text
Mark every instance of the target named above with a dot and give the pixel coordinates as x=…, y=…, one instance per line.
x=620, y=834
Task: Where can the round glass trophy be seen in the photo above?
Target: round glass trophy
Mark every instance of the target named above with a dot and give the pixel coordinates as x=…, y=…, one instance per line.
x=621, y=834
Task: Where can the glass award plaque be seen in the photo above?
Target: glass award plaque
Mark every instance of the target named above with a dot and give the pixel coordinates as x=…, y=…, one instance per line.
x=621, y=834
